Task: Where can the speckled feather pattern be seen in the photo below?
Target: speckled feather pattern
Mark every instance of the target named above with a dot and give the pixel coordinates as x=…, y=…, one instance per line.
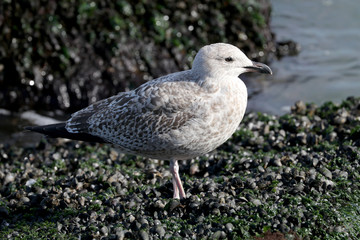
x=178, y=116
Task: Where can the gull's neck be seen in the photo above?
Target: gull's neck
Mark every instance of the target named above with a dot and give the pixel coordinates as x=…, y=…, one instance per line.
x=209, y=78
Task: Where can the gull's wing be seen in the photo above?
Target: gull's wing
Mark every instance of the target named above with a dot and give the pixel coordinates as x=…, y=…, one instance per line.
x=135, y=120
x=78, y=123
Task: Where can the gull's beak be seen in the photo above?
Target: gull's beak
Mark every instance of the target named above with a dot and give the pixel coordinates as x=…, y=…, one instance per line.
x=259, y=67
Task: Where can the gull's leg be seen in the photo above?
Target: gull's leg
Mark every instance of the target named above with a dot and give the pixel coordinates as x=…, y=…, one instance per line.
x=178, y=188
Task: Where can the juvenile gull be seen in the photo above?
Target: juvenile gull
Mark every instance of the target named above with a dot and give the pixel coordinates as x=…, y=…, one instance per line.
x=175, y=117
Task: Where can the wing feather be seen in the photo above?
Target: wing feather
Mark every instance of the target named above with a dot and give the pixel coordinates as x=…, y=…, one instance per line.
x=79, y=120
x=135, y=120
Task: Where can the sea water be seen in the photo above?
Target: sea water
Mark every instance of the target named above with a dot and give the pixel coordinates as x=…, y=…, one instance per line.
x=328, y=65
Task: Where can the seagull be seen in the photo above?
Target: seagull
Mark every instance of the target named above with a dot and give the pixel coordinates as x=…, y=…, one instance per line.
x=175, y=117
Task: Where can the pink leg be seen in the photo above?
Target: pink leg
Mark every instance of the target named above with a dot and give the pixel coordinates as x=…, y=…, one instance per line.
x=178, y=188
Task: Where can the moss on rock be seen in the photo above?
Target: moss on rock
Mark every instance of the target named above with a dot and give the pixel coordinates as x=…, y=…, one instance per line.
x=68, y=54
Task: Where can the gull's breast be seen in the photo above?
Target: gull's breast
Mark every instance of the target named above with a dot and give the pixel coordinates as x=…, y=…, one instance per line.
x=216, y=120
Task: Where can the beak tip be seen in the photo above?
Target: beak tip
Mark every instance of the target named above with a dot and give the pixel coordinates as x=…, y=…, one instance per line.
x=260, y=67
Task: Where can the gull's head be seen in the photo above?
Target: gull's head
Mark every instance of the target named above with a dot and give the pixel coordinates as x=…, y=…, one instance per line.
x=225, y=59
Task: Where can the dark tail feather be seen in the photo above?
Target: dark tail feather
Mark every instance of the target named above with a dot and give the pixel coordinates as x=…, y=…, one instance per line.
x=59, y=130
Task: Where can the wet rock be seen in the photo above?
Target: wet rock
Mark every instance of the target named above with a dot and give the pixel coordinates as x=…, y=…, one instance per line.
x=3, y=212
x=256, y=202
x=315, y=162
x=64, y=70
x=144, y=235
x=104, y=231
x=299, y=175
x=120, y=234
x=159, y=204
x=9, y=178
x=343, y=174
x=328, y=184
x=194, y=169
x=59, y=226
x=287, y=48
x=24, y=200
x=301, y=138
x=229, y=227
x=30, y=182
x=173, y=204
x=217, y=235
x=326, y=172
x=299, y=188
x=332, y=136
x=241, y=184
x=277, y=162
x=299, y=108
x=160, y=230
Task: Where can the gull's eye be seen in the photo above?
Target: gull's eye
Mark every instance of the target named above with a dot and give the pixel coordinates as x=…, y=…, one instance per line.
x=229, y=59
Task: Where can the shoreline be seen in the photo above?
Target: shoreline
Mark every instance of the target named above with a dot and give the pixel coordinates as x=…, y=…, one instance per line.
x=296, y=176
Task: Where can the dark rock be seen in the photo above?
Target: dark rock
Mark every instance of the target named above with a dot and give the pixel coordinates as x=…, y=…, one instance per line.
x=314, y=182
x=143, y=235
x=229, y=227
x=172, y=205
x=160, y=230
x=299, y=108
x=4, y=212
x=74, y=53
x=120, y=234
x=104, y=230
x=287, y=48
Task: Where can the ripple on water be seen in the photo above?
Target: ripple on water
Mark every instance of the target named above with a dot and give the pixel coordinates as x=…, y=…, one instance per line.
x=328, y=66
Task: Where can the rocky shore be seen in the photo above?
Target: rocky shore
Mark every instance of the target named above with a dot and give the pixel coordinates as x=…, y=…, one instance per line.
x=64, y=55
x=289, y=177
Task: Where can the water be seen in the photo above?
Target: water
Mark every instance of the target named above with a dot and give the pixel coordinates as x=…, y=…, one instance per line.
x=328, y=66
x=12, y=127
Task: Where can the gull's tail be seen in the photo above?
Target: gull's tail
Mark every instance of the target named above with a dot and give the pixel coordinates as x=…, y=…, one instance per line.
x=58, y=130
